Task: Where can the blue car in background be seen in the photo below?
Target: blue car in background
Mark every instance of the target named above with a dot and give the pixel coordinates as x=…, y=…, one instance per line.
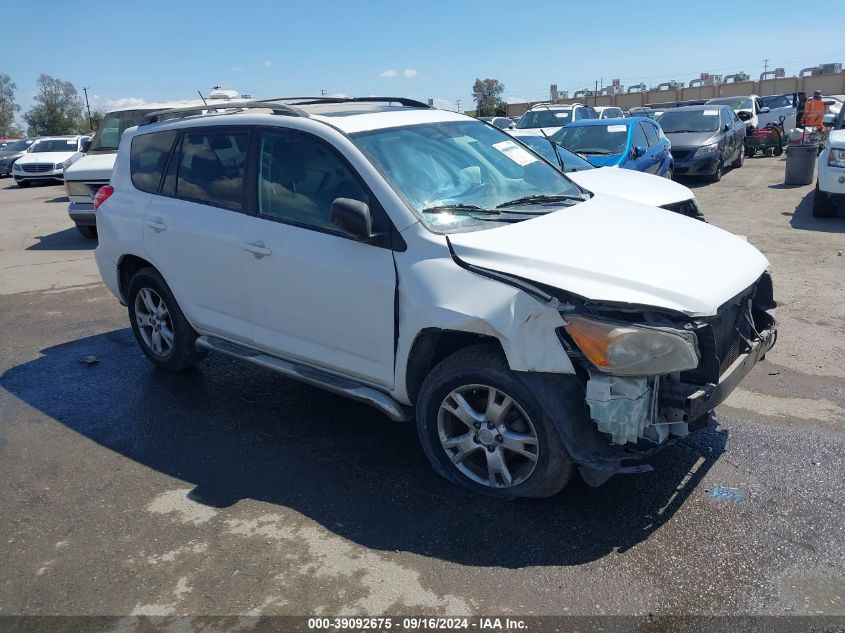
x=635, y=143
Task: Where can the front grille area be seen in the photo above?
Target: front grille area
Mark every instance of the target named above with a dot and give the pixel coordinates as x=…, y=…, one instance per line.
x=682, y=154
x=37, y=168
x=723, y=339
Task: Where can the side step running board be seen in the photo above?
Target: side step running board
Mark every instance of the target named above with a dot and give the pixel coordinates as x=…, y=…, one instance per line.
x=343, y=386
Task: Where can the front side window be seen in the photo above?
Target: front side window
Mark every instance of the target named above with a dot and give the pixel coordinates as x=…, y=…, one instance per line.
x=599, y=140
x=638, y=137
x=459, y=175
x=299, y=177
x=651, y=134
x=211, y=167
x=148, y=158
x=18, y=146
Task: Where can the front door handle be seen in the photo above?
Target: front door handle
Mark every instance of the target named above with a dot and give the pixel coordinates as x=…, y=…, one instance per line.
x=258, y=249
x=157, y=225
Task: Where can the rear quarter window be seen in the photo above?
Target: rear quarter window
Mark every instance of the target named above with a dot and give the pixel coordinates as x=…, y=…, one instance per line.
x=148, y=158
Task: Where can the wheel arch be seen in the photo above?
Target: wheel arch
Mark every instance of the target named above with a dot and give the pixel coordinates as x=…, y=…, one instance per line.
x=127, y=266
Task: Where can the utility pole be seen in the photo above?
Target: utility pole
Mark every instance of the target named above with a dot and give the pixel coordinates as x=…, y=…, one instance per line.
x=322, y=93
x=765, y=66
x=88, y=107
x=458, y=104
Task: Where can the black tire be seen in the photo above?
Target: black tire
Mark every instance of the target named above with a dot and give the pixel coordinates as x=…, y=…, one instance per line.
x=822, y=206
x=484, y=365
x=749, y=152
x=89, y=232
x=182, y=353
x=778, y=151
x=716, y=176
x=23, y=183
x=740, y=159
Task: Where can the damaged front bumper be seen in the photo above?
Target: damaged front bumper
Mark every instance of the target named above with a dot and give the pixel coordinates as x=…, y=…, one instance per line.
x=690, y=403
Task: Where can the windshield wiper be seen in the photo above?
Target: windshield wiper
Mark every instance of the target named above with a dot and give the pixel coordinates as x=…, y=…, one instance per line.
x=467, y=209
x=599, y=152
x=539, y=199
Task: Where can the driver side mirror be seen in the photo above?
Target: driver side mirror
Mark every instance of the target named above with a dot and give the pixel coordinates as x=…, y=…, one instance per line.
x=828, y=120
x=353, y=216
x=86, y=145
x=764, y=109
x=639, y=150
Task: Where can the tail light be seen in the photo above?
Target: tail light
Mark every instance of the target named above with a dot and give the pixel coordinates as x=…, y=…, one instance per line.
x=102, y=195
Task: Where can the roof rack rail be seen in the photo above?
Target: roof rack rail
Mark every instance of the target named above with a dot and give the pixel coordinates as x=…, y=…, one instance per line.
x=221, y=108
x=410, y=103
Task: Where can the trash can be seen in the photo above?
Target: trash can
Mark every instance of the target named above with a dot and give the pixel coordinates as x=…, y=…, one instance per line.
x=800, y=163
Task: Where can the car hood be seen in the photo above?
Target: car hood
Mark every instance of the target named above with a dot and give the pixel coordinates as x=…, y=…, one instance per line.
x=92, y=166
x=611, y=250
x=691, y=139
x=600, y=160
x=837, y=139
x=45, y=157
x=636, y=185
x=535, y=131
x=7, y=155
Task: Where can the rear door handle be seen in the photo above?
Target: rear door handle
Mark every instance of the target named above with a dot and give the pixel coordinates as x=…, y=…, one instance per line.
x=157, y=225
x=258, y=249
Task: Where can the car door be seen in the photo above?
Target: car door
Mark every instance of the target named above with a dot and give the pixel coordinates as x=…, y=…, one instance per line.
x=785, y=105
x=316, y=293
x=656, y=149
x=192, y=230
x=729, y=133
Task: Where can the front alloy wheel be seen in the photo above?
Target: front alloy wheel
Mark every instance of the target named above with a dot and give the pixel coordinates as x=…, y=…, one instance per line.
x=487, y=436
x=154, y=323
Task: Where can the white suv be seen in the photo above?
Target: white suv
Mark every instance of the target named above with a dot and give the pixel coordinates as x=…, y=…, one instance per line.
x=546, y=119
x=830, y=186
x=427, y=264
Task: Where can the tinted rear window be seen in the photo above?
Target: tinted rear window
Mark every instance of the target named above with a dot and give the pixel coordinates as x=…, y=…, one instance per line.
x=211, y=167
x=148, y=158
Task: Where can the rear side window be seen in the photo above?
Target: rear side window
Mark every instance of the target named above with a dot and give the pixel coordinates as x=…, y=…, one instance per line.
x=148, y=158
x=651, y=133
x=211, y=167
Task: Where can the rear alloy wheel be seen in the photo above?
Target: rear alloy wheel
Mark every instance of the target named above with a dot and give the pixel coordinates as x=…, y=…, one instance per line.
x=716, y=176
x=740, y=159
x=482, y=428
x=89, y=232
x=158, y=324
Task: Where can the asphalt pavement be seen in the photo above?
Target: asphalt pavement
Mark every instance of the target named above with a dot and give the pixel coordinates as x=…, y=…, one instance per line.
x=231, y=491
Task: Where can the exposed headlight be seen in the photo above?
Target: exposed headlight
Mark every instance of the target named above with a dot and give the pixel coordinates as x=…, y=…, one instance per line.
x=836, y=157
x=16, y=167
x=59, y=166
x=633, y=350
x=707, y=149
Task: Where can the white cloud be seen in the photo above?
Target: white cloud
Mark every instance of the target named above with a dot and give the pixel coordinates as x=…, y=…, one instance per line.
x=123, y=102
x=409, y=72
x=339, y=95
x=445, y=104
x=267, y=64
x=237, y=69
x=388, y=73
x=516, y=100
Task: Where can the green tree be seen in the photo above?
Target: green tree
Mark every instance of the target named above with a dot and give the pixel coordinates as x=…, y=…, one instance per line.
x=96, y=118
x=8, y=107
x=487, y=94
x=57, y=109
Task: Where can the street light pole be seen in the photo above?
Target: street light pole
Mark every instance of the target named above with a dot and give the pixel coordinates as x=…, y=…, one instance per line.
x=88, y=107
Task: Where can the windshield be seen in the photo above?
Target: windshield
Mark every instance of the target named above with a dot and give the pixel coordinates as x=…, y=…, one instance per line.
x=112, y=127
x=454, y=175
x=544, y=118
x=544, y=148
x=674, y=121
x=606, y=140
x=18, y=146
x=55, y=145
x=736, y=104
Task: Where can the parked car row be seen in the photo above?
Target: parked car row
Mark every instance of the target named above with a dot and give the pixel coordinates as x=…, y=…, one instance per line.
x=47, y=158
x=12, y=152
x=486, y=293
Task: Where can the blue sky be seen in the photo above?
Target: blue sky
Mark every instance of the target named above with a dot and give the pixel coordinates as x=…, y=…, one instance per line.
x=154, y=50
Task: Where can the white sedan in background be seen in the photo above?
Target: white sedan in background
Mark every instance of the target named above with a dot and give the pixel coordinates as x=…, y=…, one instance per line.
x=47, y=158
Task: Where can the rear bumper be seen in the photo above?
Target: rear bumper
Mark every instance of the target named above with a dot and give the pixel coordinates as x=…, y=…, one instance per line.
x=82, y=213
x=696, y=401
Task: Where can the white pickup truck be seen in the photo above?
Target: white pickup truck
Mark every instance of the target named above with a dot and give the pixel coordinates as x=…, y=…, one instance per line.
x=92, y=171
x=830, y=186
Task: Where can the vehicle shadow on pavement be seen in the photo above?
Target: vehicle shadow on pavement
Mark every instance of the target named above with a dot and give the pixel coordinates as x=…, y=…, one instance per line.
x=802, y=218
x=65, y=240
x=237, y=433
